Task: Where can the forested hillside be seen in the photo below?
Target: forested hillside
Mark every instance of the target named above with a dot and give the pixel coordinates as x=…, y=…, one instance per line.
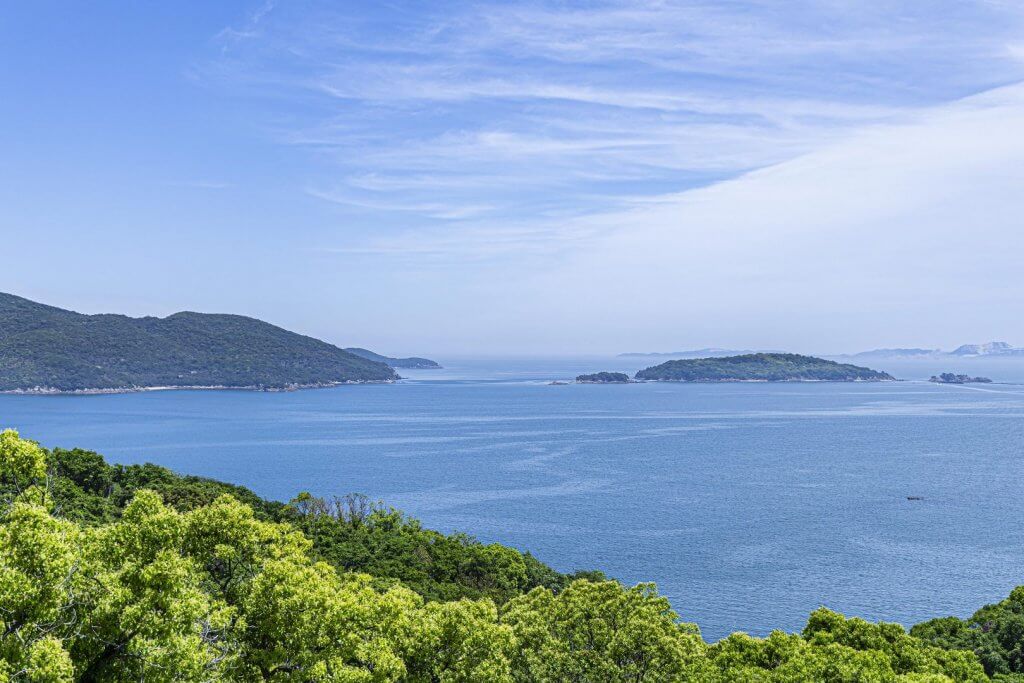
x=111, y=573
x=413, y=362
x=760, y=367
x=351, y=532
x=43, y=347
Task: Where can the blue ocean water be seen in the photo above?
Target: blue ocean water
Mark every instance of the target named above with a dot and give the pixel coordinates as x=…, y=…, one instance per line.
x=749, y=504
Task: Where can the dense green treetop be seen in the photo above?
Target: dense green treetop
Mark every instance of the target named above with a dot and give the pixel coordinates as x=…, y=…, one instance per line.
x=43, y=347
x=764, y=367
x=995, y=633
x=352, y=533
x=220, y=586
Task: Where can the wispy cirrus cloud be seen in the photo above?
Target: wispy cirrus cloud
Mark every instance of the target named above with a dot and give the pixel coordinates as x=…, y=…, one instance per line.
x=897, y=234
x=476, y=116
x=250, y=28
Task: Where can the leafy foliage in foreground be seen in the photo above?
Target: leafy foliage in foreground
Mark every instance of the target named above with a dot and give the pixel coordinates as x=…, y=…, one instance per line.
x=46, y=347
x=351, y=533
x=995, y=633
x=765, y=367
x=214, y=592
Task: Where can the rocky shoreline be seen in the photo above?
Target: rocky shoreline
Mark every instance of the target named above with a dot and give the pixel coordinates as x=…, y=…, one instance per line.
x=52, y=391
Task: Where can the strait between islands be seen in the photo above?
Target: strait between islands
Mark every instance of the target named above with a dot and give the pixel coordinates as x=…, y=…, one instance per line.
x=44, y=349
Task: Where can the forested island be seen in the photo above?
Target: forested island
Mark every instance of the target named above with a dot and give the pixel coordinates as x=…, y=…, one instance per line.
x=760, y=367
x=951, y=378
x=414, y=362
x=132, y=573
x=603, y=378
x=49, y=349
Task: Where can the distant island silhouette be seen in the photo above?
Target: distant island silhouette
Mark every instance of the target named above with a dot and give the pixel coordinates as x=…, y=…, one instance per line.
x=950, y=378
x=760, y=367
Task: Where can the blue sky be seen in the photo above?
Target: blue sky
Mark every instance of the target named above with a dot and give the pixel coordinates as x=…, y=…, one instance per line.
x=469, y=177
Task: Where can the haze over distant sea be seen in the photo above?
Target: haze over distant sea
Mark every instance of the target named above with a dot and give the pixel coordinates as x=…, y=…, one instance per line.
x=748, y=504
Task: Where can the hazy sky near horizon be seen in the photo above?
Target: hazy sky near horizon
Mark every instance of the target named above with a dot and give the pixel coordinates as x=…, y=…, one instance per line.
x=524, y=177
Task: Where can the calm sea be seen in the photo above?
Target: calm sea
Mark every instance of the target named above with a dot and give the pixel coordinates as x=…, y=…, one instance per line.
x=749, y=504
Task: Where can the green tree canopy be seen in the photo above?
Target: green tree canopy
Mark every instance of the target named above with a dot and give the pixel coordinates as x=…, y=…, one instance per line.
x=221, y=591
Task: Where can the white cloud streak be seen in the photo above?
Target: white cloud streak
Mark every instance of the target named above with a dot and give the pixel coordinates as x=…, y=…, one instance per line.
x=725, y=173
x=899, y=234
x=914, y=225
x=533, y=109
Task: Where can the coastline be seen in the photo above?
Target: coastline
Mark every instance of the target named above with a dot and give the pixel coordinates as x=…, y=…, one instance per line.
x=52, y=391
x=772, y=381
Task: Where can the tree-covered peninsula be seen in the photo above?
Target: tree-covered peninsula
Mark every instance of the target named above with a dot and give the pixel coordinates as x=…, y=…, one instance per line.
x=133, y=573
x=760, y=367
x=43, y=348
x=413, y=362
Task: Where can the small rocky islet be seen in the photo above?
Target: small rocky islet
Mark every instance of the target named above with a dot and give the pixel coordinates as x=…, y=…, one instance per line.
x=604, y=378
x=951, y=378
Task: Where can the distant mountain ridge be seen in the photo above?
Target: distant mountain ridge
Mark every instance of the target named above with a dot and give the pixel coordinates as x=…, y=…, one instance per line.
x=44, y=348
x=407, y=363
x=694, y=353
x=964, y=351
x=895, y=353
x=994, y=348
x=989, y=349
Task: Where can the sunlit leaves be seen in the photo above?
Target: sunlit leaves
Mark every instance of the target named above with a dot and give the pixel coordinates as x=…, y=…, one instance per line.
x=217, y=593
x=602, y=632
x=22, y=462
